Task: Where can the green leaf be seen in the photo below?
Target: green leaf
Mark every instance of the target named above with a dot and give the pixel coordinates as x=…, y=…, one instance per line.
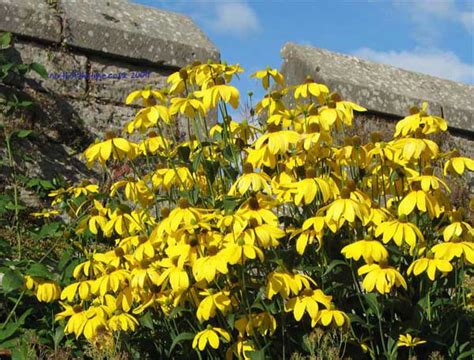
x=197, y=161
x=23, y=133
x=39, y=69
x=147, y=321
x=12, y=327
x=333, y=264
x=180, y=338
x=211, y=168
x=21, y=352
x=177, y=311
x=371, y=300
x=58, y=336
x=12, y=206
x=39, y=270
x=48, y=230
x=467, y=354
x=12, y=280
x=256, y=355
x=5, y=40
x=183, y=153
x=230, y=203
x=46, y=184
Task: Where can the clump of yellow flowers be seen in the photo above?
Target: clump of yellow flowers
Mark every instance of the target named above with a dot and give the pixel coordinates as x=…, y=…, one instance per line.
x=239, y=239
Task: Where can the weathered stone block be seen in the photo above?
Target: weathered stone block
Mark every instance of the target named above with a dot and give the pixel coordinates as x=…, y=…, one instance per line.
x=97, y=118
x=125, y=78
x=381, y=88
x=32, y=18
x=133, y=31
x=60, y=64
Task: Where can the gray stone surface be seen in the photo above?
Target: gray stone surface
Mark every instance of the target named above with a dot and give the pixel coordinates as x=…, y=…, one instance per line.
x=32, y=18
x=128, y=78
x=56, y=62
x=380, y=88
x=134, y=31
x=96, y=118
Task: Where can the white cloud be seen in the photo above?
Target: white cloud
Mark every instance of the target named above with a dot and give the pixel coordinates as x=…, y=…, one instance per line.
x=427, y=17
x=443, y=64
x=467, y=18
x=235, y=18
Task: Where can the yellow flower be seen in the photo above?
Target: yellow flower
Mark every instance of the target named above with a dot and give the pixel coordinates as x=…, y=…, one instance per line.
x=265, y=76
x=312, y=229
x=98, y=218
x=307, y=301
x=212, y=302
x=122, y=321
x=450, y=250
x=183, y=215
x=285, y=284
x=310, y=87
x=261, y=156
x=208, y=267
x=458, y=165
x=242, y=249
x=95, y=321
x=430, y=266
x=331, y=316
x=110, y=282
x=315, y=137
x=337, y=112
x=251, y=180
x=381, y=277
x=263, y=322
x=279, y=141
x=420, y=119
x=154, y=144
x=83, y=288
x=116, y=147
x=258, y=208
x=400, y=231
x=144, y=275
x=427, y=181
x=174, y=273
x=421, y=200
x=266, y=235
x=211, y=96
x=243, y=130
x=458, y=229
x=285, y=118
x=370, y=250
x=409, y=341
x=149, y=117
x=179, y=176
x=148, y=96
x=410, y=149
x=305, y=190
x=243, y=348
x=189, y=106
x=210, y=335
x=137, y=191
x=89, y=268
x=84, y=188
x=77, y=319
x=44, y=290
x=345, y=209
x=273, y=102
x=45, y=213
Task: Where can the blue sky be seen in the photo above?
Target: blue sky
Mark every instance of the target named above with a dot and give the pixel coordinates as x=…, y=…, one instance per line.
x=429, y=36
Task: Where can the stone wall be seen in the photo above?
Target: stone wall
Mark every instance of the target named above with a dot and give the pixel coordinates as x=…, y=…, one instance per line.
x=80, y=38
x=386, y=91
